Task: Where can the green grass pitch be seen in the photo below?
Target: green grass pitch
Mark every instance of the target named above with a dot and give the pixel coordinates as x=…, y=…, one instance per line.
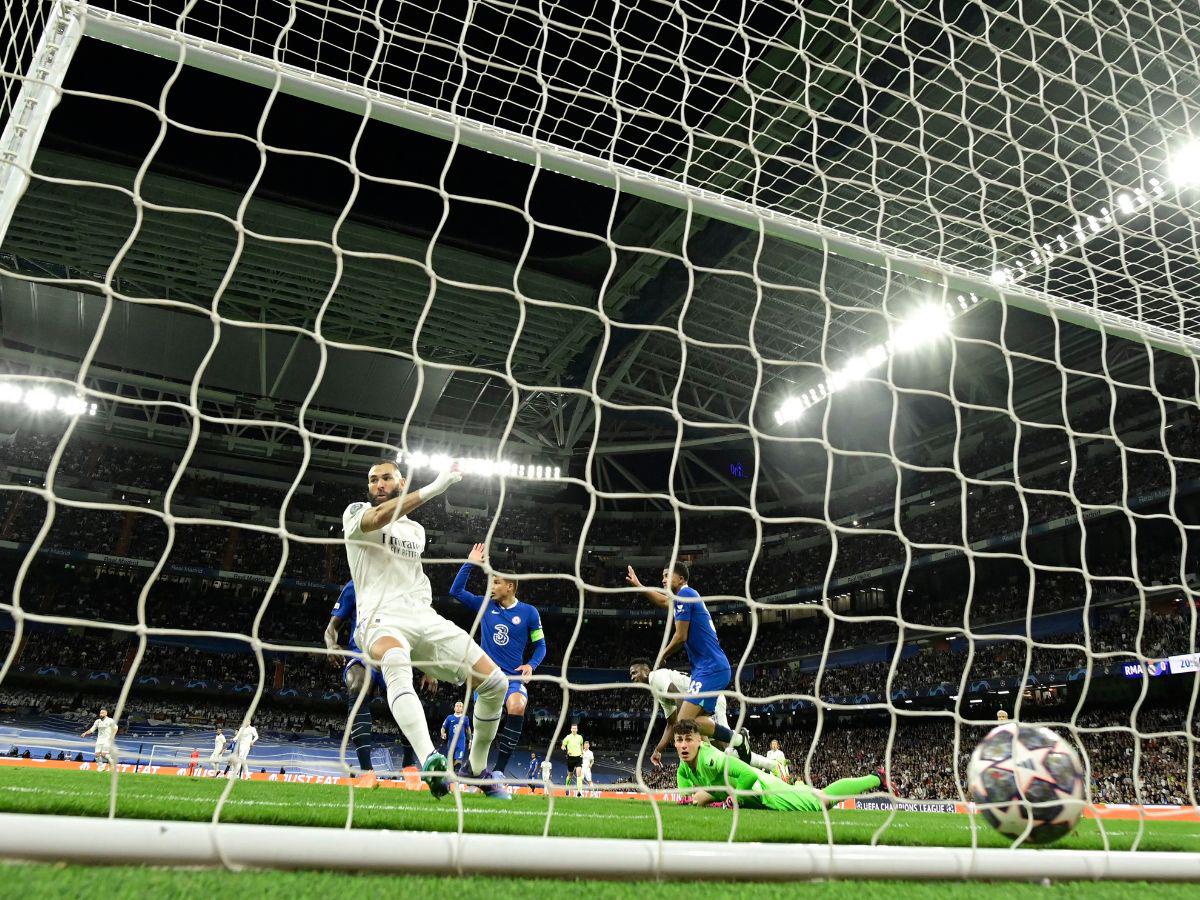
x=32, y=790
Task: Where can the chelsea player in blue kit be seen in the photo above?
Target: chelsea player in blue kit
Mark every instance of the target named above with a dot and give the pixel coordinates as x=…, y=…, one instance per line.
x=508, y=624
x=696, y=634
x=456, y=731
x=353, y=673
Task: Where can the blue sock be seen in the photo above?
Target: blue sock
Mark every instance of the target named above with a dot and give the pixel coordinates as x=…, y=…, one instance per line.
x=722, y=734
x=360, y=736
x=506, y=741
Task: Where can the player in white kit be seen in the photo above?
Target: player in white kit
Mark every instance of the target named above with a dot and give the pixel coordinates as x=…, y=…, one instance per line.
x=398, y=628
x=586, y=769
x=214, y=761
x=780, y=762
x=245, y=738
x=106, y=736
x=669, y=687
x=547, y=773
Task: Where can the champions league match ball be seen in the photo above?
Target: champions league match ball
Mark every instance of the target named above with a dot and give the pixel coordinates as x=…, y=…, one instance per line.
x=1027, y=777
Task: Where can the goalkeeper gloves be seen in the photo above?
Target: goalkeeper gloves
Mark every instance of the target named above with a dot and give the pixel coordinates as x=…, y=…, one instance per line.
x=440, y=484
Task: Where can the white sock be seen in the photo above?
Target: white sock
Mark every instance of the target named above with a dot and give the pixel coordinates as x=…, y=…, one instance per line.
x=489, y=703
x=761, y=762
x=404, y=703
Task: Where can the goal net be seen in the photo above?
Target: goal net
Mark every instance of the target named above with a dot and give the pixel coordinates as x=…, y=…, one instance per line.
x=879, y=316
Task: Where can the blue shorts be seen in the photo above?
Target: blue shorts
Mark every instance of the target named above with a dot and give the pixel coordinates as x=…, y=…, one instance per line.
x=376, y=675
x=705, y=681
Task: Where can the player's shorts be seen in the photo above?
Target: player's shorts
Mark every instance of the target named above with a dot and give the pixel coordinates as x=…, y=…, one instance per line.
x=573, y=763
x=435, y=645
x=460, y=752
x=703, y=682
x=105, y=748
x=587, y=774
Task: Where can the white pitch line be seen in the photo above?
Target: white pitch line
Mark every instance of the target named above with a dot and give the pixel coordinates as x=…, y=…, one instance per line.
x=839, y=824
x=236, y=801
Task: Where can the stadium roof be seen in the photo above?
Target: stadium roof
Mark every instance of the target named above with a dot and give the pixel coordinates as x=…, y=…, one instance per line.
x=858, y=124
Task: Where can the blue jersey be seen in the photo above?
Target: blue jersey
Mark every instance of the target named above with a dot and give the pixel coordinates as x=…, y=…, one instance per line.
x=703, y=649
x=453, y=723
x=503, y=633
x=347, y=608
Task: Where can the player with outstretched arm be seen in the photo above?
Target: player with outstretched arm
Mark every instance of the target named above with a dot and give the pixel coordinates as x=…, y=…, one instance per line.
x=354, y=672
x=709, y=776
x=507, y=626
x=696, y=634
x=398, y=626
x=670, y=687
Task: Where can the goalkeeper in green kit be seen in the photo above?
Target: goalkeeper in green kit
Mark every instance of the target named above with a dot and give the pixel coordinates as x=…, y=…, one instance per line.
x=718, y=775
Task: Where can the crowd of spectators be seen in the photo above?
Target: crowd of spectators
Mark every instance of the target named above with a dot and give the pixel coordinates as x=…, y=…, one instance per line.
x=1038, y=474
x=1142, y=758
x=1100, y=470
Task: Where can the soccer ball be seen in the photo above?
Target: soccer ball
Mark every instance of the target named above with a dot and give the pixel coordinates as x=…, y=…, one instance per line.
x=1029, y=778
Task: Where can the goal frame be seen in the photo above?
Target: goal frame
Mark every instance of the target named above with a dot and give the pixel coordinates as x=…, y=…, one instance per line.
x=236, y=846
x=125, y=31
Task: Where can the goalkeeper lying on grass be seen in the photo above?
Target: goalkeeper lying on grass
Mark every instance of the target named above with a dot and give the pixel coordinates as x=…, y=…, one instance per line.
x=717, y=775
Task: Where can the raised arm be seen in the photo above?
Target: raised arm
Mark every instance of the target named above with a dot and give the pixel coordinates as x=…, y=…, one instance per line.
x=376, y=517
x=658, y=598
x=458, y=590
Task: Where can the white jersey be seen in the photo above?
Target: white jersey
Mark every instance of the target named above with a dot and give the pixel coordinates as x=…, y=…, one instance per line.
x=244, y=738
x=105, y=729
x=588, y=756
x=386, y=565
x=547, y=770
x=778, y=762
x=669, y=685
x=219, y=745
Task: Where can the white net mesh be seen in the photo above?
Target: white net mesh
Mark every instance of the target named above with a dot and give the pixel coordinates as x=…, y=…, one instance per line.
x=782, y=333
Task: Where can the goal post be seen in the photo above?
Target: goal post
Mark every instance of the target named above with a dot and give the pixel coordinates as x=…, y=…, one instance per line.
x=28, y=107
x=145, y=842
x=1034, y=256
